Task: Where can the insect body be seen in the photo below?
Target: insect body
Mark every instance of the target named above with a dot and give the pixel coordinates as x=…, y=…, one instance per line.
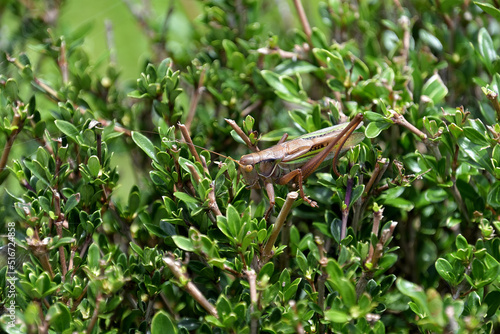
x=297, y=159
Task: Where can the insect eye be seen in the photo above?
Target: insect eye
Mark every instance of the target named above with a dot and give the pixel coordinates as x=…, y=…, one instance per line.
x=248, y=168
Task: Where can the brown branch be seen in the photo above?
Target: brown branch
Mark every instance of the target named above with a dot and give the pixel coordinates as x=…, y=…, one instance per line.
x=63, y=62
x=110, y=40
x=278, y=224
x=304, y=21
x=254, y=322
x=95, y=315
x=186, y=284
x=284, y=54
x=196, y=98
x=212, y=205
x=242, y=135
x=187, y=139
x=251, y=108
x=399, y=119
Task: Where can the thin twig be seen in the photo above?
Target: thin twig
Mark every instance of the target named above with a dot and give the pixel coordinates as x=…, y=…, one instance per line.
x=187, y=139
x=212, y=205
x=284, y=54
x=95, y=315
x=63, y=63
x=280, y=220
x=196, y=98
x=405, y=24
x=251, y=108
x=254, y=322
x=110, y=40
x=188, y=285
x=399, y=119
x=377, y=217
x=242, y=135
x=345, y=212
x=304, y=21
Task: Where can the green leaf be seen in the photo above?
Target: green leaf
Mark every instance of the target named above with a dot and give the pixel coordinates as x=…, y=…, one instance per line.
x=183, y=243
x=415, y=292
x=185, y=197
x=94, y=165
x=476, y=137
x=223, y=307
x=490, y=9
x=94, y=257
x=162, y=324
x=445, y=270
x=145, y=144
x=293, y=67
x=38, y=170
x=375, y=128
x=356, y=193
x=59, y=317
x=72, y=201
x=233, y=221
x=67, y=128
x=486, y=48
x=435, y=89
x=430, y=40
x=274, y=80
x=333, y=62
x=11, y=89
x=337, y=316
x=374, y=117
x=493, y=198
x=492, y=299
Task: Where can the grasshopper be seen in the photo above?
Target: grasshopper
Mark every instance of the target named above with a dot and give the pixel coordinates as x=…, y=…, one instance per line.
x=296, y=159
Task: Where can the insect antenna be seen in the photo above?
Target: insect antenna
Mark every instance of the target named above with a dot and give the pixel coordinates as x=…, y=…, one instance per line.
x=205, y=149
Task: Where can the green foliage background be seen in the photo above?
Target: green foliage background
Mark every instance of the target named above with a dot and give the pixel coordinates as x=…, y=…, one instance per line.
x=120, y=227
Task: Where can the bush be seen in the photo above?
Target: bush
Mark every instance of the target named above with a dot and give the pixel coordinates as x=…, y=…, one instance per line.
x=113, y=223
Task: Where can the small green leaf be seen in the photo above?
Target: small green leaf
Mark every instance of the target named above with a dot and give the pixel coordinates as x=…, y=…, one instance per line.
x=59, y=317
x=375, y=128
x=490, y=9
x=445, y=270
x=493, y=198
x=72, y=201
x=67, y=128
x=274, y=80
x=293, y=67
x=476, y=137
x=94, y=165
x=145, y=144
x=374, y=117
x=185, y=197
x=337, y=316
x=183, y=243
x=492, y=299
x=162, y=324
x=486, y=48
x=435, y=89
x=11, y=89
x=94, y=257
x=430, y=40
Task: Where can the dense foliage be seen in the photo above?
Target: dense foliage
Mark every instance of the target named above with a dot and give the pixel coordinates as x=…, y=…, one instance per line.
x=404, y=240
